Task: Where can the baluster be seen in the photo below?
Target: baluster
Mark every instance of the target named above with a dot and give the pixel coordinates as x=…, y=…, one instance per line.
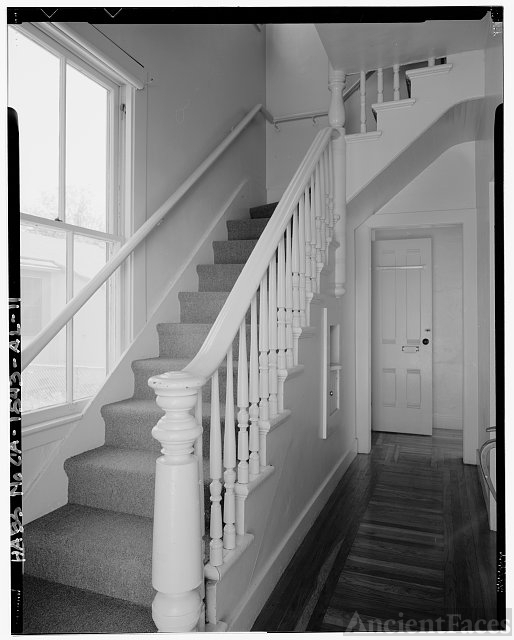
x=326, y=171
x=319, y=243
x=216, y=470
x=324, y=209
x=308, y=258
x=177, y=569
x=242, y=437
x=254, y=393
x=363, y=101
x=302, y=261
x=229, y=460
x=242, y=403
x=336, y=82
x=281, y=325
x=264, y=423
x=294, y=266
x=380, y=85
x=396, y=82
x=314, y=236
x=328, y=209
x=431, y=62
x=290, y=284
x=199, y=457
x=273, y=337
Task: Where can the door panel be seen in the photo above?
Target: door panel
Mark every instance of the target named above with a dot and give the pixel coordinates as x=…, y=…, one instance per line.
x=401, y=321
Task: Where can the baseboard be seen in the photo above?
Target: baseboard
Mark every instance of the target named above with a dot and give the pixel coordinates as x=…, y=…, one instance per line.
x=249, y=607
x=442, y=421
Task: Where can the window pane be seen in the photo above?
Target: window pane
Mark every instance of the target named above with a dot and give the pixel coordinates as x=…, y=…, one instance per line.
x=43, y=277
x=34, y=93
x=86, y=151
x=44, y=380
x=90, y=323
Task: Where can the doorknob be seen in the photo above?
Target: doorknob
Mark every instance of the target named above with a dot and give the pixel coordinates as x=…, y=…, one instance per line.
x=425, y=341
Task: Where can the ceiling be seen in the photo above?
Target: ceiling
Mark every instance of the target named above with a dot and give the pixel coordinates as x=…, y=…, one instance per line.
x=368, y=46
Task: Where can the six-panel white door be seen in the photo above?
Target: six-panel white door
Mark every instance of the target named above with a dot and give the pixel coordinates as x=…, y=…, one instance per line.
x=402, y=336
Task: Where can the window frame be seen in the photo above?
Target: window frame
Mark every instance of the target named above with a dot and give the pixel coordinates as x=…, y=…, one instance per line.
x=119, y=219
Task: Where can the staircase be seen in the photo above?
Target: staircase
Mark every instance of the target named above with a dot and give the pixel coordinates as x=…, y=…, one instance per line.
x=102, y=539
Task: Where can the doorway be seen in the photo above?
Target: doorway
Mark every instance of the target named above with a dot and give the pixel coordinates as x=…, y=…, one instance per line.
x=422, y=223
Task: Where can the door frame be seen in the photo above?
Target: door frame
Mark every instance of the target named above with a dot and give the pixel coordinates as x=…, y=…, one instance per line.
x=467, y=219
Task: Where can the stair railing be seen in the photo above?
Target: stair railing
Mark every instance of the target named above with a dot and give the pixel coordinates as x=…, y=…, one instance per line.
x=78, y=301
x=261, y=320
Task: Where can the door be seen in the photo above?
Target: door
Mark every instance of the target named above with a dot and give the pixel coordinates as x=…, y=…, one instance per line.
x=402, y=336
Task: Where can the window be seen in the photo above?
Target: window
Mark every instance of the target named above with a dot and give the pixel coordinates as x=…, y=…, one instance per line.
x=69, y=137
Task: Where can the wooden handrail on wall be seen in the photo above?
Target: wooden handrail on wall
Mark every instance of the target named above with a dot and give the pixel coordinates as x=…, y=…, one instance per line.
x=78, y=301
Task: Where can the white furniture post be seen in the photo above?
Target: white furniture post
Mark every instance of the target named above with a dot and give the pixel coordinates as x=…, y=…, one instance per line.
x=177, y=566
x=336, y=119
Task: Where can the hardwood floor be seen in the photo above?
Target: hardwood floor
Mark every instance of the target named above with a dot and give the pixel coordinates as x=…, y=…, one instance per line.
x=402, y=544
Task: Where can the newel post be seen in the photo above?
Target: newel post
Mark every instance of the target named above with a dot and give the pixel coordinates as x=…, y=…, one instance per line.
x=336, y=119
x=177, y=567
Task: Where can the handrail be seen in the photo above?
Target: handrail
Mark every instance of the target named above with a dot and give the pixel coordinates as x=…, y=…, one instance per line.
x=312, y=115
x=78, y=301
x=224, y=329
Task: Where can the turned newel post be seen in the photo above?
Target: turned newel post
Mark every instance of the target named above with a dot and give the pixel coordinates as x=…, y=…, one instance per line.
x=177, y=567
x=336, y=119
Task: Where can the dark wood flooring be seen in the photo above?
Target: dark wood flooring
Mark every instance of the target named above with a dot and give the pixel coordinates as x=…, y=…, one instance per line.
x=402, y=544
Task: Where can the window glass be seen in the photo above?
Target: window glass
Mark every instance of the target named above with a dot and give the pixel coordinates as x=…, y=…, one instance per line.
x=34, y=93
x=90, y=323
x=43, y=382
x=86, y=151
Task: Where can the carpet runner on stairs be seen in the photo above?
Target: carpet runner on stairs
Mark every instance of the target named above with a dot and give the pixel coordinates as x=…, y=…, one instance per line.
x=101, y=540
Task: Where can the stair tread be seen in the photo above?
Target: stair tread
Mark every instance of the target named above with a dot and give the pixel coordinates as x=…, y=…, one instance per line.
x=246, y=228
x=263, y=210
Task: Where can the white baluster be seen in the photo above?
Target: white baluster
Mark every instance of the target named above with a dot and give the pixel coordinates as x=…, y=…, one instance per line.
x=242, y=403
x=324, y=212
x=254, y=393
x=229, y=460
x=308, y=258
x=396, y=82
x=294, y=266
x=319, y=237
x=177, y=569
x=264, y=424
x=273, y=338
x=199, y=457
x=363, y=101
x=336, y=120
x=302, y=261
x=216, y=471
x=431, y=62
x=289, y=295
x=281, y=325
x=380, y=85
x=242, y=439
x=314, y=235
x=328, y=196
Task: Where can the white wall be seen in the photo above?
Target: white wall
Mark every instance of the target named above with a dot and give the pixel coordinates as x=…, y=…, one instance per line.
x=448, y=184
x=446, y=336
x=203, y=80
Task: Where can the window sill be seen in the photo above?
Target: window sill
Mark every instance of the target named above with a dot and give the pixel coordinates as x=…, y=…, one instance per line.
x=41, y=419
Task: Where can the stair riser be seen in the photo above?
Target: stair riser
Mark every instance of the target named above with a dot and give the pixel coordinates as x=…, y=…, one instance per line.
x=76, y=569
x=246, y=229
x=232, y=251
x=111, y=489
x=263, y=211
x=174, y=342
x=202, y=307
x=218, y=277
